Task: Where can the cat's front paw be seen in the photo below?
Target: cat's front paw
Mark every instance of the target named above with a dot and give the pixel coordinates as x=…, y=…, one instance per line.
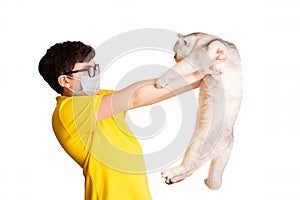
x=161, y=83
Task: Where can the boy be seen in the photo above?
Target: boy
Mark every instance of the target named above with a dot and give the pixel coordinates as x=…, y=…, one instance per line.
x=90, y=123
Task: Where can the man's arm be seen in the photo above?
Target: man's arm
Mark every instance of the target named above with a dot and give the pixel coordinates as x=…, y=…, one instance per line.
x=144, y=93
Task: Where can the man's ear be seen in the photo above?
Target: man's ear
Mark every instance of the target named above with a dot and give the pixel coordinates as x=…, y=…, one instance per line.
x=64, y=81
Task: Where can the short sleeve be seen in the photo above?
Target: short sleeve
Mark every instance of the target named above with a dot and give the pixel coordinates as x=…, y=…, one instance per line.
x=74, y=122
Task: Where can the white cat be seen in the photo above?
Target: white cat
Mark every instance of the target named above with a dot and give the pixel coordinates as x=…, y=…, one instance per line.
x=219, y=103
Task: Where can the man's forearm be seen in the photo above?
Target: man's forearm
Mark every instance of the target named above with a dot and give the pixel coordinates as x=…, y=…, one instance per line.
x=146, y=93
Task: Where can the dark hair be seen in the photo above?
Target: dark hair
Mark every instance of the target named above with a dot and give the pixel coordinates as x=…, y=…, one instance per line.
x=61, y=58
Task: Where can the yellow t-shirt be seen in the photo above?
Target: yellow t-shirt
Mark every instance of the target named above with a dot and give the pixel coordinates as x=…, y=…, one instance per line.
x=108, y=152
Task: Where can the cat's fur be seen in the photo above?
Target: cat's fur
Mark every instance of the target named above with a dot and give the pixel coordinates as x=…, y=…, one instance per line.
x=219, y=103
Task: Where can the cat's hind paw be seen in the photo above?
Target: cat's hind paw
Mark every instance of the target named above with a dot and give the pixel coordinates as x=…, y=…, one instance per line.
x=173, y=175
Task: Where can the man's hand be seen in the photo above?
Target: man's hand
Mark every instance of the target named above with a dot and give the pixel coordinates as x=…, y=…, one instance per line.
x=207, y=64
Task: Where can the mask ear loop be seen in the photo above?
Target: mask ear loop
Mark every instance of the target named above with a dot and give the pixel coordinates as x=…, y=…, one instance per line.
x=76, y=92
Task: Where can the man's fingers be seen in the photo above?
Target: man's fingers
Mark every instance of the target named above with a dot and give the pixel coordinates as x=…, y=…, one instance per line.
x=220, y=51
x=219, y=61
x=214, y=72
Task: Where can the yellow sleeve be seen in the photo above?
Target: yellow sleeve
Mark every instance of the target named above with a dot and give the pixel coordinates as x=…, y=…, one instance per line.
x=74, y=122
x=80, y=112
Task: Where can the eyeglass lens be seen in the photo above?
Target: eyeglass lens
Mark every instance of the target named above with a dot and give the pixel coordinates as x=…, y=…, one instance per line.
x=93, y=70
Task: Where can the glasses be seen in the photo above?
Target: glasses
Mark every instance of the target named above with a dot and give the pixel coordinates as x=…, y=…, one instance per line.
x=92, y=70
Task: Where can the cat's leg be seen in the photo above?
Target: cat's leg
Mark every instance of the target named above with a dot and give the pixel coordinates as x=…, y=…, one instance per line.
x=217, y=166
x=191, y=160
x=184, y=170
x=188, y=165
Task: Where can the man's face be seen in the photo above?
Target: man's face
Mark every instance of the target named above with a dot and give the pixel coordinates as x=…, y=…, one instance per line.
x=75, y=81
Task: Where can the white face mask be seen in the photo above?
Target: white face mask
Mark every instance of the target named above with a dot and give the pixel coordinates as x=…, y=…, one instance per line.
x=90, y=86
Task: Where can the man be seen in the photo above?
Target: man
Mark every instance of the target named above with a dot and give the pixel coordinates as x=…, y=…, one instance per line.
x=90, y=123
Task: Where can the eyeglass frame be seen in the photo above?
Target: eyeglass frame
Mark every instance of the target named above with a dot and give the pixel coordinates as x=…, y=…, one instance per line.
x=96, y=67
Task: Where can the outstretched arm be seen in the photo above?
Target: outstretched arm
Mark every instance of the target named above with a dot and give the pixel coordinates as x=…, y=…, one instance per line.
x=145, y=93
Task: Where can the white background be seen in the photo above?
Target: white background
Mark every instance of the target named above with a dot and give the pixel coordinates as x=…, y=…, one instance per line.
x=265, y=159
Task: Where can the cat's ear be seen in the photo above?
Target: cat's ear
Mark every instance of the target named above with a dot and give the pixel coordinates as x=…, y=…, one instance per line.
x=182, y=40
x=180, y=35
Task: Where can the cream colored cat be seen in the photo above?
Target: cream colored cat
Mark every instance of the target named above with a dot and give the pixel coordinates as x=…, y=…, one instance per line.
x=219, y=103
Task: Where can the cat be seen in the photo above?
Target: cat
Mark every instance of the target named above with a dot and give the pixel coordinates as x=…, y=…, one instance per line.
x=219, y=104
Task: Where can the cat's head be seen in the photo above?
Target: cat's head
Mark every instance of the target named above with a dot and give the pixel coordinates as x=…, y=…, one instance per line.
x=187, y=43
x=183, y=46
